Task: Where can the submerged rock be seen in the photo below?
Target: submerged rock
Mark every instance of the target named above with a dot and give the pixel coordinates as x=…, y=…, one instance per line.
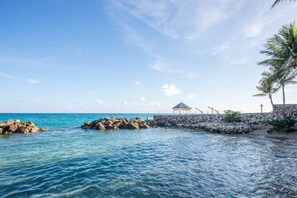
x=119, y=123
x=16, y=126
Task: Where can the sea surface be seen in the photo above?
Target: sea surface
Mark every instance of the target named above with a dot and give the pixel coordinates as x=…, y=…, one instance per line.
x=67, y=161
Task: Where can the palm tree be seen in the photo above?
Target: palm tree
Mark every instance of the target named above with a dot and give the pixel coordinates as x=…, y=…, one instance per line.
x=283, y=77
x=281, y=50
x=288, y=34
x=279, y=70
x=267, y=86
x=276, y=2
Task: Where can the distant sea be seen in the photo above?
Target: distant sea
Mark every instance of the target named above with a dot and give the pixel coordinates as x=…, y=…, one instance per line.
x=65, y=119
x=67, y=161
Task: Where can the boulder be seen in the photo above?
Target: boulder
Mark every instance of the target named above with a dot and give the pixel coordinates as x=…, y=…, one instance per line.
x=123, y=125
x=132, y=126
x=17, y=126
x=135, y=120
x=152, y=123
x=144, y=126
x=111, y=127
x=118, y=123
x=99, y=126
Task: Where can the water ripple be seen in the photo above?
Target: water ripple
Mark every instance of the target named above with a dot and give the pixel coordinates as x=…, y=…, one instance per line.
x=146, y=163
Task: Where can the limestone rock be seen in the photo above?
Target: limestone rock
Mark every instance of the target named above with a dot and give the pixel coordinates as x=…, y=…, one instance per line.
x=17, y=126
x=132, y=126
x=119, y=123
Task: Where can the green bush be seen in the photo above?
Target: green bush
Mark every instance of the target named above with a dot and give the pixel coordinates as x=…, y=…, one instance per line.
x=282, y=124
x=231, y=116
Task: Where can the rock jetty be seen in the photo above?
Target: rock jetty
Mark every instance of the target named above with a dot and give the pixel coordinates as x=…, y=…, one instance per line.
x=16, y=126
x=226, y=128
x=119, y=123
x=214, y=123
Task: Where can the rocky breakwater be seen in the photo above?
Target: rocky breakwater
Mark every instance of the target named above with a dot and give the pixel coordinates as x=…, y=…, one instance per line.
x=222, y=127
x=119, y=123
x=16, y=126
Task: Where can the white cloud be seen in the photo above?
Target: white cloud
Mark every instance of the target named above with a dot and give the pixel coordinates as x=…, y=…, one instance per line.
x=179, y=19
x=133, y=36
x=137, y=82
x=9, y=76
x=33, y=81
x=191, y=96
x=161, y=65
x=100, y=102
x=256, y=28
x=125, y=102
x=29, y=80
x=212, y=16
x=142, y=99
x=221, y=48
x=170, y=90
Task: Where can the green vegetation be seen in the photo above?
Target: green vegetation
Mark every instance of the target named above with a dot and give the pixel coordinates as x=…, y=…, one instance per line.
x=283, y=124
x=267, y=86
x=231, y=116
x=281, y=52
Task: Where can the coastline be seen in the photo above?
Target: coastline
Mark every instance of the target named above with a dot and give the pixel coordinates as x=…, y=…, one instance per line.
x=275, y=135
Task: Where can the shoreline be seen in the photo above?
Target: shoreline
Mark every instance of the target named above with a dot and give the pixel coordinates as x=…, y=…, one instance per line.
x=274, y=135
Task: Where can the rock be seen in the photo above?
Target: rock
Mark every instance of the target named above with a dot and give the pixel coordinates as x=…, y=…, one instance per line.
x=152, y=123
x=9, y=122
x=12, y=128
x=228, y=128
x=132, y=126
x=123, y=125
x=135, y=120
x=111, y=127
x=17, y=126
x=118, y=123
x=144, y=126
x=99, y=126
x=42, y=129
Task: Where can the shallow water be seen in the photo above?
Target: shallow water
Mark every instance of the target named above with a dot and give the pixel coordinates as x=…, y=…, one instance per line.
x=71, y=162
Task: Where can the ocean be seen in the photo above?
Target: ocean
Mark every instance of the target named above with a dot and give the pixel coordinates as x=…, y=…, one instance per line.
x=67, y=161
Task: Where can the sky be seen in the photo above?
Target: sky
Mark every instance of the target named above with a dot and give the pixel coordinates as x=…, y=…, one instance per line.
x=136, y=55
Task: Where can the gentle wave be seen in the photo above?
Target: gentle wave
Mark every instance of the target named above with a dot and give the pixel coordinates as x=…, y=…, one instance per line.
x=156, y=163
x=71, y=162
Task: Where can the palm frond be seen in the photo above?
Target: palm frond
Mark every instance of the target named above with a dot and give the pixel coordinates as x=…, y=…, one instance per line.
x=277, y=2
x=261, y=94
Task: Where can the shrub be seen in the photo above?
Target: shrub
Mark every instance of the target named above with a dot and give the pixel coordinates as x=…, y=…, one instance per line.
x=231, y=116
x=282, y=124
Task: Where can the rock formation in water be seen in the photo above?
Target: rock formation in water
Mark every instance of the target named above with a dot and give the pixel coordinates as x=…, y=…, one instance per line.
x=16, y=126
x=119, y=123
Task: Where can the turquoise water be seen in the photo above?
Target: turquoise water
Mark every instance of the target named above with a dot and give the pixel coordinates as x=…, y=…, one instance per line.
x=67, y=161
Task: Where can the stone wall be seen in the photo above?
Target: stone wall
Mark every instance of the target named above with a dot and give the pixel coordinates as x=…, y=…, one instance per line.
x=290, y=109
x=249, y=118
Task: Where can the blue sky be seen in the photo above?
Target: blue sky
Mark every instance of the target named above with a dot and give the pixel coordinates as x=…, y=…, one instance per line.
x=135, y=55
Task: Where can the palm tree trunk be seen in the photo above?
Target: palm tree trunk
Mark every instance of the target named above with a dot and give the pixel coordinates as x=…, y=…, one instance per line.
x=271, y=101
x=284, y=98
